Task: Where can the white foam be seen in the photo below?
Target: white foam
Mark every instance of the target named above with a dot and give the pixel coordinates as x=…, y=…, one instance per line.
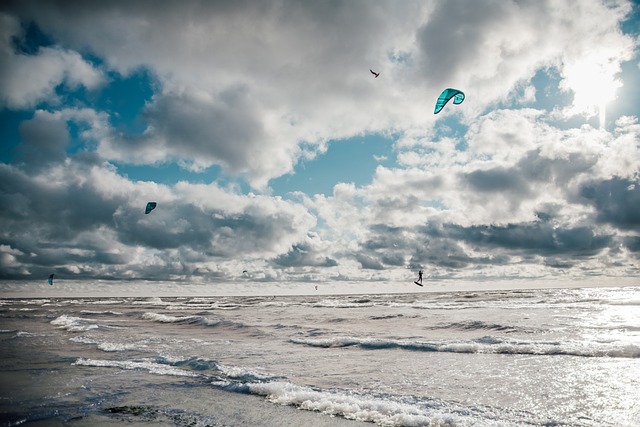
x=111, y=347
x=74, y=324
x=152, y=367
x=106, y=346
x=236, y=372
x=386, y=412
x=485, y=345
x=163, y=318
x=104, y=301
x=152, y=301
x=83, y=340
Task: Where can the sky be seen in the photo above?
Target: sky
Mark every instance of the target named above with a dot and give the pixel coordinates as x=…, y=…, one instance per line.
x=274, y=155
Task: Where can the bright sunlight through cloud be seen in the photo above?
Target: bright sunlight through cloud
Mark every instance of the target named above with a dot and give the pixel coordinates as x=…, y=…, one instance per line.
x=593, y=82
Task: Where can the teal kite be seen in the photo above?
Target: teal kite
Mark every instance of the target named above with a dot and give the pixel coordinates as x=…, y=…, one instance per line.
x=51, y=280
x=445, y=96
x=150, y=206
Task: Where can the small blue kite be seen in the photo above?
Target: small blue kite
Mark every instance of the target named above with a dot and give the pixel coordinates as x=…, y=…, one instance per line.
x=445, y=96
x=150, y=206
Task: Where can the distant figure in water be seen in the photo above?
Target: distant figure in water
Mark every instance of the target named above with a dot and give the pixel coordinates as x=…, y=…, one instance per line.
x=419, y=281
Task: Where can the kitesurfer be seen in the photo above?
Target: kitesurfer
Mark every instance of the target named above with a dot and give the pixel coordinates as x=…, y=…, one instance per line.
x=419, y=281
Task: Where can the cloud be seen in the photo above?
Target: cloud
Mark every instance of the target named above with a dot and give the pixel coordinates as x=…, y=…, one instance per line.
x=199, y=133
x=304, y=255
x=27, y=80
x=44, y=139
x=549, y=203
x=616, y=201
x=88, y=217
x=255, y=96
x=490, y=46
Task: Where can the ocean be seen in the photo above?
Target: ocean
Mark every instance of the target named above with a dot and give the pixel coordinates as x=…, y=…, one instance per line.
x=543, y=357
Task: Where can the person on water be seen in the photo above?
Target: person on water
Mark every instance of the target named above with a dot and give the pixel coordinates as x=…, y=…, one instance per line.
x=419, y=281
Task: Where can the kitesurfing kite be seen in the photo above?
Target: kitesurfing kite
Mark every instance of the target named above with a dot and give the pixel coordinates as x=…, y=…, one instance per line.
x=150, y=206
x=51, y=280
x=445, y=96
x=374, y=73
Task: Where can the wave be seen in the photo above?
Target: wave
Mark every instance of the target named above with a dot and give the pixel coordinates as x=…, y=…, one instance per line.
x=220, y=375
x=192, y=320
x=101, y=301
x=19, y=334
x=478, y=325
x=149, y=366
x=108, y=312
x=387, y=409
x=386, y=317
x=365, y=406
x=484, y=345
x=151, y=301
x=74, y=324
x=340, y=303
x=107, y=346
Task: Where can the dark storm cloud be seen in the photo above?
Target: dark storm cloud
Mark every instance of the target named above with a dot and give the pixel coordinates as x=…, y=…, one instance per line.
x=71, y=220
x=616, y=200
x=439, y=252
x=498, y=179
x=226, y=131
x=535, y=166
x=632, y=243
x=533, y=238
x=519, y=180
x=211, y=232
x=456, y=34
x=304, y=255
x=51, y=210
x=43, y=142
x=442, y=245
x=43, y=220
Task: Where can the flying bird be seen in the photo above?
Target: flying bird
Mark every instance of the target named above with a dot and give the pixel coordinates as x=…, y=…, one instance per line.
x=374, y=73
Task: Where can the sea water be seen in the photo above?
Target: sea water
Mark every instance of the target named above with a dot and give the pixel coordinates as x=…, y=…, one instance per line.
x=554, y=357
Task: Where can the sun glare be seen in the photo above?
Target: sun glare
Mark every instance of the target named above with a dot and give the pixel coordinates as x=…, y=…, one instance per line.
x=593, y=83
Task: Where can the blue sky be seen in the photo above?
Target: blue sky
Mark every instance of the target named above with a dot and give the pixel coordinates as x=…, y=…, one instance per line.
x=269, y=146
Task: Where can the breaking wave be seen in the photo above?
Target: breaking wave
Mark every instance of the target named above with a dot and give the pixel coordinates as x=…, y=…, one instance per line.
x=74, y=324
x=149, y=366
x=486, y=345
x=478, y=325
x=190, y=320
